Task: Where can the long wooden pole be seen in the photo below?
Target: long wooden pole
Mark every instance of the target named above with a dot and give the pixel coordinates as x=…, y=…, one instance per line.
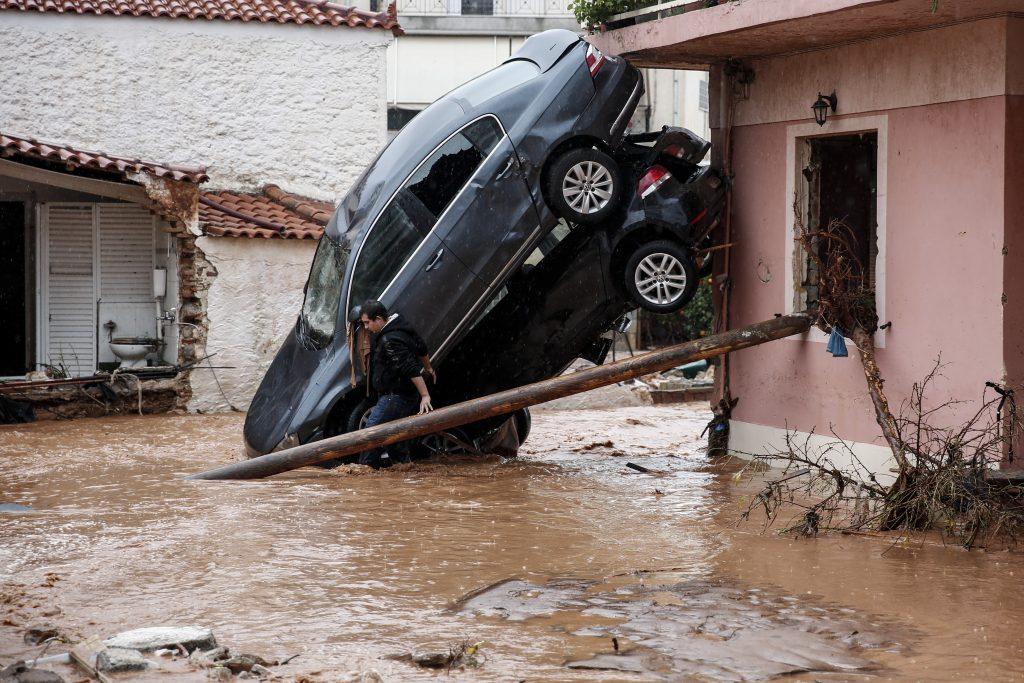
x=506, y=402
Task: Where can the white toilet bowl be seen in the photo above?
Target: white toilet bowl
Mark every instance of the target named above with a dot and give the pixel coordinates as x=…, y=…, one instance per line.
x=132, y=351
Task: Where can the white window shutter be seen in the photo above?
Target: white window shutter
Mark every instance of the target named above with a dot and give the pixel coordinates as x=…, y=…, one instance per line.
x=126, y=253
x=71, y=288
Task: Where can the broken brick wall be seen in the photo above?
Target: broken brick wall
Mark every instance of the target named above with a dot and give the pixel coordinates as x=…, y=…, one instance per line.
x=246, y=298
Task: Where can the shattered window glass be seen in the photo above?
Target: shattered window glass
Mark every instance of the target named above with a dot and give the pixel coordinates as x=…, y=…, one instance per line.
x=548, y=244
x=393, y=240
x=323, y=292
x=446, y=171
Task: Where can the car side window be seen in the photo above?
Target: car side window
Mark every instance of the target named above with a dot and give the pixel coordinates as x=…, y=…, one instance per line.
x=415, y=208
x=399, y=230
x=447, y=170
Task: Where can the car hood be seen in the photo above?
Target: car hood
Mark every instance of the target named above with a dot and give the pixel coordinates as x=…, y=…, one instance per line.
x=300, y=386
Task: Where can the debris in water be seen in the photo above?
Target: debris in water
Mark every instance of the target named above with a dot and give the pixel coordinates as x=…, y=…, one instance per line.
x=14, y=507
x=693, y=629
x=244, y=662
x=115, y=659
x=19, y=672
x=157, y=637
x=593, y=445
x=616, y=662
x=219, y=673
x=447, y=657
x=38, y=636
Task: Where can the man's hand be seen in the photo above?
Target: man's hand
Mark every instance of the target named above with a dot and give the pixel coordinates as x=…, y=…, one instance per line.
x=425, y=406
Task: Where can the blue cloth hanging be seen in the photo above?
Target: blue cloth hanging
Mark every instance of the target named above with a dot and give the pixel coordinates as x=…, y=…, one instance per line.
x=836, y=343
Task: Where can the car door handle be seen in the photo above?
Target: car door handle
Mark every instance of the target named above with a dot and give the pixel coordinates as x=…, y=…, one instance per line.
x=508, y=167
x=436, y=261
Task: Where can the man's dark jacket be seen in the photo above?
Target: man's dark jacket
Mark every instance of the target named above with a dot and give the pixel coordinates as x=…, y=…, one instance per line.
x=395, y=359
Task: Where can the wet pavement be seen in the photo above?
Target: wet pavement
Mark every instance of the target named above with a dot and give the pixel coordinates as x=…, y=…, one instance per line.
x=564, y=564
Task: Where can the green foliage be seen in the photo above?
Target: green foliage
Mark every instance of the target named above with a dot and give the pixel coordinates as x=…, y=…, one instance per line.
x=593, y=13
x=693, y=322
x=698, y=314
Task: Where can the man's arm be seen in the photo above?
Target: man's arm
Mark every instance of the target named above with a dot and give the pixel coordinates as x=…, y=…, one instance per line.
x=425, y=360
x=401, y=358
x=421, y=387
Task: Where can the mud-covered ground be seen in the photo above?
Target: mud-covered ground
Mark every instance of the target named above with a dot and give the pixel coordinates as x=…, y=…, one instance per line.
x=562, y=565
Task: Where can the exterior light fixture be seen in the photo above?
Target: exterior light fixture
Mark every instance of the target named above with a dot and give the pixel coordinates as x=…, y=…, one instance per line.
x=822, y=105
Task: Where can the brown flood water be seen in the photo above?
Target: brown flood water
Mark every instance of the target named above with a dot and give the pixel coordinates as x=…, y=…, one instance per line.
x=564, y=549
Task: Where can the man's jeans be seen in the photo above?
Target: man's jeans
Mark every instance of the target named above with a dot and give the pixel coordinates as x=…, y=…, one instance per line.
x=389, y=407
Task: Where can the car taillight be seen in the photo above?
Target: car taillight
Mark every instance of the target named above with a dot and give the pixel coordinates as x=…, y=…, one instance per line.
x=676, y=151
x=595, y=60
x=652, y=180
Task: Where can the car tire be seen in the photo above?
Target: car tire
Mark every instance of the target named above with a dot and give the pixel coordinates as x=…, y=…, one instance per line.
x=660, y=276
x=580, y=177
x=524, y=422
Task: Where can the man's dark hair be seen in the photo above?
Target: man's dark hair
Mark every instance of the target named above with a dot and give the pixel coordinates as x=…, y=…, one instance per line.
x=372, y=309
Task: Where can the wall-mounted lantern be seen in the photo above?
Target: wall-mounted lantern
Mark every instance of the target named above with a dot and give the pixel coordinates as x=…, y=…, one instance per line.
x=822, y=105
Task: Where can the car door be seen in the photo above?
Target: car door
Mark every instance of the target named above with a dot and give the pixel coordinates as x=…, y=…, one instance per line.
x=493, y=223
x=404, y=264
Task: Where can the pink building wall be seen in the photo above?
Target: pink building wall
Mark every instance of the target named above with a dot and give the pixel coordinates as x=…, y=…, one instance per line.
x=952, y=163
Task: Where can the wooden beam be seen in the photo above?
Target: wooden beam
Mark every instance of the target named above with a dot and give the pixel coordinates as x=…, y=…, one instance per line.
x=509, y=401
x=104, y=188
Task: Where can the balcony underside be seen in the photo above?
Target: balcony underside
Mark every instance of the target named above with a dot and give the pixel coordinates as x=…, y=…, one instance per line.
x=703, y=36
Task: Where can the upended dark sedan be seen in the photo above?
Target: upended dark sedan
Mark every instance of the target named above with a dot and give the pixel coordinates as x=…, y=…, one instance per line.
x=449, y=212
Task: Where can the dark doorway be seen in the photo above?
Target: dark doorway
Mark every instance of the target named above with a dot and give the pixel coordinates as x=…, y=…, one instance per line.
x=12, y=289
x=842, y=184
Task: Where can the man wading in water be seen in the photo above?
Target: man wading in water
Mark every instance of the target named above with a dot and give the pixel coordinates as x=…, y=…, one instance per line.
x=398, y=359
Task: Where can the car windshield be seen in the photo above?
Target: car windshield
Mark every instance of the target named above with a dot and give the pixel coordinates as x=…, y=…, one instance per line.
x=323, y=293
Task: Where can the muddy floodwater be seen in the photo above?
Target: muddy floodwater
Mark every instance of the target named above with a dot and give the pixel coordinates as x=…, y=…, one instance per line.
x=550, y=562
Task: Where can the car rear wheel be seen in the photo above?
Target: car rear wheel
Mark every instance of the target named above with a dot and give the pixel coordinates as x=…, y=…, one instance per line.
x=583, y=186
x=661, y=277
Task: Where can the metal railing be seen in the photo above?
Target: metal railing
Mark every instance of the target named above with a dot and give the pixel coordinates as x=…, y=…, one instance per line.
x=485, y=8
x=650, y=10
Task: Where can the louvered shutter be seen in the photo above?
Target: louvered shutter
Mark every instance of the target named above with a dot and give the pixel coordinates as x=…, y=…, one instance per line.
x=70, y=288
x=126, y=253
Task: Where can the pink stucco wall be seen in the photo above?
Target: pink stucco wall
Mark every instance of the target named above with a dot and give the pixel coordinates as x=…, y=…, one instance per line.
x=943, y=269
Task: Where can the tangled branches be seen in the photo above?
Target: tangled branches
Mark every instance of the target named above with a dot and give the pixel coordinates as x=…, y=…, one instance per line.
x=846, y=296
x=943, y=488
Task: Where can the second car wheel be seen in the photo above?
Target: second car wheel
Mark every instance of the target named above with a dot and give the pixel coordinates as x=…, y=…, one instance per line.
x=660, y=276
x=583, y=185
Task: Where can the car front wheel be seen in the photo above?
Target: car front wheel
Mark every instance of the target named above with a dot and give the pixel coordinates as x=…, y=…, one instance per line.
x=661, y=277
x=583, y=186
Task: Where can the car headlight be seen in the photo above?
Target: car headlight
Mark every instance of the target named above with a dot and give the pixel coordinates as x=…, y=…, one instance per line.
x=289, y=441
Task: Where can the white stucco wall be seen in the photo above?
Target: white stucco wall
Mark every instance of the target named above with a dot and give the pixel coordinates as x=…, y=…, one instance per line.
x=252, y=305
x=674, y=97
x=300, y=106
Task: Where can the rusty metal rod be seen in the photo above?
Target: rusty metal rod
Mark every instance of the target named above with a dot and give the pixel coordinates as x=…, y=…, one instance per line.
x=506, y=402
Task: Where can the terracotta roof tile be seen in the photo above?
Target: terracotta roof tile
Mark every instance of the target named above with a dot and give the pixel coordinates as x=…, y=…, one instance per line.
x=316, y=12
x=274, y=213
x=73, y=159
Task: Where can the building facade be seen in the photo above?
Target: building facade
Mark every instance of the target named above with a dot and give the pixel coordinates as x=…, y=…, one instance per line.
x=448, y=42
x=920, y=155
x=201, y=254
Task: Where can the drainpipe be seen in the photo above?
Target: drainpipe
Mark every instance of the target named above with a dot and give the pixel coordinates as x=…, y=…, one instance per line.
x=675, y=97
